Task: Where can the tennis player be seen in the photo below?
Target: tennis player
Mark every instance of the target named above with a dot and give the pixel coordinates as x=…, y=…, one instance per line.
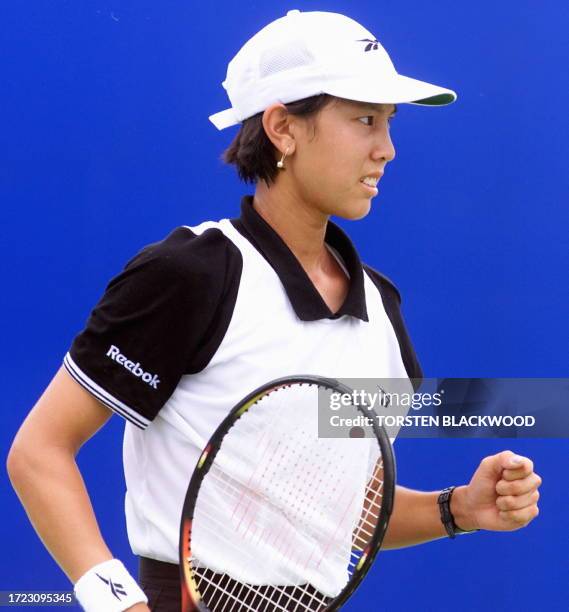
x=197, y=320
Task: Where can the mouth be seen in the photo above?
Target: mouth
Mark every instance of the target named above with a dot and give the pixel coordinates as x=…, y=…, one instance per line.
x=369, y=183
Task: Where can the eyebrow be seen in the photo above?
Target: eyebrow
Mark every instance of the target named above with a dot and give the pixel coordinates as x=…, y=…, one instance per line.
x=374, y=107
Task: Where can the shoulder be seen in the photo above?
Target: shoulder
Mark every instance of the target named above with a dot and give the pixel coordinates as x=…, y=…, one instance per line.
x=391, y=299
x=384, y=284
x=199, y=253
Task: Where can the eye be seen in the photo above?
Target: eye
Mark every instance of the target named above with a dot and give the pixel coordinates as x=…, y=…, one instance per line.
x=370, y=117
x=369, y=120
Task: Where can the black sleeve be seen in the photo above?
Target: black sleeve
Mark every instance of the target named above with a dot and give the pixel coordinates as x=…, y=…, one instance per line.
x=392, y=303
x=162, y=317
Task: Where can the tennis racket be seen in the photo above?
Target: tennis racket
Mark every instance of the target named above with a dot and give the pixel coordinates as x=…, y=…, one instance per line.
x=276, y=518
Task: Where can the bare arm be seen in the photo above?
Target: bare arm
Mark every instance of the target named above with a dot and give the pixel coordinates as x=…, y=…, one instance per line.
x=415, y=519
x=43, y=471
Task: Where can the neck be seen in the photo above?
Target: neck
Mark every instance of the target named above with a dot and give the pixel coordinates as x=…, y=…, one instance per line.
x=301, y=228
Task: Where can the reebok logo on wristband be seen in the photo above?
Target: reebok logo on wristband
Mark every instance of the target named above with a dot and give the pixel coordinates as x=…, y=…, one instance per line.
x=116, y=588
x=115, y=354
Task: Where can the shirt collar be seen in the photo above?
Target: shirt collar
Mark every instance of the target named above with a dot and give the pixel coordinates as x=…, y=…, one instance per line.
x=303, y=295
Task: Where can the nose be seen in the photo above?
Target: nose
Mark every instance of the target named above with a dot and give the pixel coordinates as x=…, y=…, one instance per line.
x=383, y=146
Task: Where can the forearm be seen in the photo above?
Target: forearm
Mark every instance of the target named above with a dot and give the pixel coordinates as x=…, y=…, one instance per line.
x=54, y=496
x=416, y=517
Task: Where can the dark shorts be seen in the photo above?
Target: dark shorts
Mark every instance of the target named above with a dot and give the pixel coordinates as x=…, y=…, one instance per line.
x=161, y=583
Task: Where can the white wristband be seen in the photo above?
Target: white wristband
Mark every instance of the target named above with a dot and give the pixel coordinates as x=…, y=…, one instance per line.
x=108, y=587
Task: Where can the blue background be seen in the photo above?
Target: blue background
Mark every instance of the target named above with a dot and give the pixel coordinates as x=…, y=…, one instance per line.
x=106, y=146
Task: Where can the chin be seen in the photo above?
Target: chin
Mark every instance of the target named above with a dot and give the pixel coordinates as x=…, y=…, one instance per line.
x=356, y=211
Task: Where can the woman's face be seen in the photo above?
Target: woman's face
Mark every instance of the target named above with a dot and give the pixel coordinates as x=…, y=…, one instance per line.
x=345, y=143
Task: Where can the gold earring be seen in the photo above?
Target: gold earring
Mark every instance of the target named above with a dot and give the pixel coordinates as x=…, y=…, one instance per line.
x=280, y=164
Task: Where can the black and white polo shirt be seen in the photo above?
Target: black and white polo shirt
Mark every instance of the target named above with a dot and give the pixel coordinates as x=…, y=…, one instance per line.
x=197, y=321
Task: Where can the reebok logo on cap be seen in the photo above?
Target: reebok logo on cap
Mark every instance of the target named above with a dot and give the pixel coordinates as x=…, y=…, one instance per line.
x=373, y=45
x=115, y=354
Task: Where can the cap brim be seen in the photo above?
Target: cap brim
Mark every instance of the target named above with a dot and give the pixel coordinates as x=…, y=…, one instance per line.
x=224, y=119
x=396, y=90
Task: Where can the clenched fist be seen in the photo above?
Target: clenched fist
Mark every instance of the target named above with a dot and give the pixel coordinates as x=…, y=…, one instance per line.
x=502, y=495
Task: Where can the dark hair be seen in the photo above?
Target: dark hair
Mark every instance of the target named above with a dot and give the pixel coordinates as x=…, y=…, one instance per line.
x=252, y=151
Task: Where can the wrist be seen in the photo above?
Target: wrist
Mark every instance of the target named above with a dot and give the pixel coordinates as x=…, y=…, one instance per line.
x=449, y=520
x=108, y=587
x=459, y=508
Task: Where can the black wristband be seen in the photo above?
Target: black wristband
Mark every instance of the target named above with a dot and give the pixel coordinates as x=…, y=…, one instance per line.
x=446, y=515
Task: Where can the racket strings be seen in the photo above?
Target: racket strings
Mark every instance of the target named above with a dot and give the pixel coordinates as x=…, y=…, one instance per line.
x=239, y=591
x=273, y=491
x=372, y=507
x=249, y=529
x=262, y=482
x=214, y=527
x=238, y=594
x=241, y=596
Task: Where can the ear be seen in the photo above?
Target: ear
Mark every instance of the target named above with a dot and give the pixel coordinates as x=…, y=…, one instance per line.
x=280, y=127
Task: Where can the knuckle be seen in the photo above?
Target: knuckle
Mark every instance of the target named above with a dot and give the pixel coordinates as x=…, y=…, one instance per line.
x=502, y=487
x=519, y=518
x=506, y=502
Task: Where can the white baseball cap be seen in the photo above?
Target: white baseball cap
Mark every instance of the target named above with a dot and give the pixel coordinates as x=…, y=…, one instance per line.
x=306, y=54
